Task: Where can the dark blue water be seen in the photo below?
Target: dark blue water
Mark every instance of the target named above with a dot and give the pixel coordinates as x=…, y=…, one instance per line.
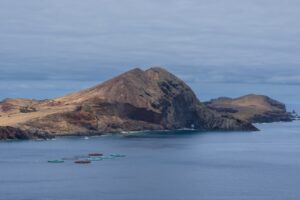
x=231, y=166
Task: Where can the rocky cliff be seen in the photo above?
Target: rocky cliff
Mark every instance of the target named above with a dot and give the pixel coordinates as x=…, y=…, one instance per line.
x=252, y=108
x=153, y=99
x=11, y=133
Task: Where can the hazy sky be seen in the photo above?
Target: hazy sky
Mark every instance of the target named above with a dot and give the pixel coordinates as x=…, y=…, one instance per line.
x=48, y=47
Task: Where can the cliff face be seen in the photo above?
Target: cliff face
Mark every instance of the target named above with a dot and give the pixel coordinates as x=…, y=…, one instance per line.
x=252, y=108
x=136, y=100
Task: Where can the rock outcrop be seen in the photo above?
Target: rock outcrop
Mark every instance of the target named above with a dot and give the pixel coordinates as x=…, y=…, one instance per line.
x=252, y=108
x=136, y=100
x=12, y=133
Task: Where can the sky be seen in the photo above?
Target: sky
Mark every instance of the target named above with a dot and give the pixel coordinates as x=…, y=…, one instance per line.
x=52, y=47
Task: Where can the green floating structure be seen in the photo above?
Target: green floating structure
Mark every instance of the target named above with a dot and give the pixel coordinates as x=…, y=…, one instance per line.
x=95, y=159
x=56, y=161
x=89, y=158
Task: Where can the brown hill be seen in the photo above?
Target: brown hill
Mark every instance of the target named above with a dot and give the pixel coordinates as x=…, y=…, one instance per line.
x=136, y=100
x=252, y=108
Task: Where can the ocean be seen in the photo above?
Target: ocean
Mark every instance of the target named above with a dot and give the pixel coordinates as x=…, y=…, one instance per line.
x=180, y=165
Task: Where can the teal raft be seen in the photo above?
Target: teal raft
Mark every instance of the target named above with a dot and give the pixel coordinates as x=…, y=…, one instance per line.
x=116, y=155
x=56, y=161
x=107, y=157
x=95, y=158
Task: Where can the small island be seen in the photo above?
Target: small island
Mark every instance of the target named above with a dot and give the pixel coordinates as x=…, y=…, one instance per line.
x=136, y=100
x=252, y=108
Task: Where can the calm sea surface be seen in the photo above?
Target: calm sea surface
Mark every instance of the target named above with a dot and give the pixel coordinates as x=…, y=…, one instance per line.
x=233, y=166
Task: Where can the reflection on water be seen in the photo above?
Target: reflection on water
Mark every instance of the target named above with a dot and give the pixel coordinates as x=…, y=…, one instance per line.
x=166, y=165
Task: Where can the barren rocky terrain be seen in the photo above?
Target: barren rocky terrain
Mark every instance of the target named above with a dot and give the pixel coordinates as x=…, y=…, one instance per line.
x=252, y=108
x=137, y=100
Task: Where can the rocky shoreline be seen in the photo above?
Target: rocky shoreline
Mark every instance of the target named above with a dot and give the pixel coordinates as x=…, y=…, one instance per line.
x=12, y=133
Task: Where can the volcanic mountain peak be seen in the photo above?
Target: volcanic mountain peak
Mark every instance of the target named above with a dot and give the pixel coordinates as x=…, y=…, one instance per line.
x=159, y=74
x=133, y=86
